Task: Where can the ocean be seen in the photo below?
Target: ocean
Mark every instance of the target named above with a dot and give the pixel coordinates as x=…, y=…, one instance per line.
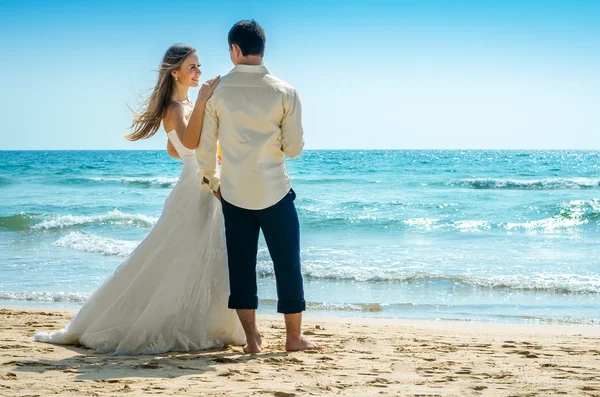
x=494, y=236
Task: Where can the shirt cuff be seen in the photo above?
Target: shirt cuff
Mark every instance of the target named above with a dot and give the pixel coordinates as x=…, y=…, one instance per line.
x=212, y=183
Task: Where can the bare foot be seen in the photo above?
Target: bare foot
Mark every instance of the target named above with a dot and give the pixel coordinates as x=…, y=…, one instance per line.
x=254, y=345
x=294, y=345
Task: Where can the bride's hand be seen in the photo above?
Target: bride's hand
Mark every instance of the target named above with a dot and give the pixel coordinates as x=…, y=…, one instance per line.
x=207, y=89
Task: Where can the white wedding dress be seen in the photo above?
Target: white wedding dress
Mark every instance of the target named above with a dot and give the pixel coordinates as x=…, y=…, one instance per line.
x=171, y=293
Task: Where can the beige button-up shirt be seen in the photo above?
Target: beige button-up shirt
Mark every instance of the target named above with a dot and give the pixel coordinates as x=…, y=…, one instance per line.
x=257, y=120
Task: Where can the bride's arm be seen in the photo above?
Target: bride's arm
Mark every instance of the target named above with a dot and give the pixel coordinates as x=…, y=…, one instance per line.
x=191, y=135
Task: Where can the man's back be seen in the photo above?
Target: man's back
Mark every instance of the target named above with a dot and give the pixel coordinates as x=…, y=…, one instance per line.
x=257, y=119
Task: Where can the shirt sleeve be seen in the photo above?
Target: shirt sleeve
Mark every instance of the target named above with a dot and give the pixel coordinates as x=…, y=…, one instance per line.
x=207, y=149
x=292, y=134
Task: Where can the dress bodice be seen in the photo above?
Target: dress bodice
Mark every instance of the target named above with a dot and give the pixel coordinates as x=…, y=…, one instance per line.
x=181, y=150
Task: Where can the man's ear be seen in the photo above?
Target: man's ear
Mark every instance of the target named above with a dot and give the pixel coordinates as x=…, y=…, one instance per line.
x=237, y=51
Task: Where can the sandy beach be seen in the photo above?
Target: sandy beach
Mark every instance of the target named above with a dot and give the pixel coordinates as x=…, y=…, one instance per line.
x=361, y=357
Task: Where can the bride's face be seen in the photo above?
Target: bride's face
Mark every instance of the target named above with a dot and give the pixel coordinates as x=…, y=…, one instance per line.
x=189, y=73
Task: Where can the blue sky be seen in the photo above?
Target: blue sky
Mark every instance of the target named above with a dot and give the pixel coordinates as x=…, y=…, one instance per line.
x=378, y=74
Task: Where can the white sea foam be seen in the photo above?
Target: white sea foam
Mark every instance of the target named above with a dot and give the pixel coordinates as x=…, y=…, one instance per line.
x=421, y=222
x=91, y=243
x=572, y=214
x=45, y=296
x=554, y=283
x=546, y=283
x=148, y=182
x=347, y=307
x=548, y=224
x=531, y=184
x=112, y=217
x=463, y=226
x=472, y=226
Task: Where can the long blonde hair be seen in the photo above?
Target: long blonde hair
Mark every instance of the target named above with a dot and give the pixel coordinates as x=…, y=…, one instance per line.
x=154, y=108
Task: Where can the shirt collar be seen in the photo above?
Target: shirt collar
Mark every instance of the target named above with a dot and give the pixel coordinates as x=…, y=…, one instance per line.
x=251, y=69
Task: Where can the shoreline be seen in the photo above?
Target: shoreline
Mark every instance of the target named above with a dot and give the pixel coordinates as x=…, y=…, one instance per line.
x=454, y=325
x=431, y=324
x=353, y=315
x=361, y=356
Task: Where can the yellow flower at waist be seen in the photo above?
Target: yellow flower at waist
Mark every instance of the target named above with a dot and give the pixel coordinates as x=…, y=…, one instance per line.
x=219, y=153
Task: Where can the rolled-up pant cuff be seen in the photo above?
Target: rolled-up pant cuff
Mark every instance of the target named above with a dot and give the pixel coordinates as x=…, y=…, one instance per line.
x=291, y=307
x=239, y=302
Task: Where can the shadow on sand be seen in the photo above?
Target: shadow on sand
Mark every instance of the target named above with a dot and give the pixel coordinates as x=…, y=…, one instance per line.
x=102, y=367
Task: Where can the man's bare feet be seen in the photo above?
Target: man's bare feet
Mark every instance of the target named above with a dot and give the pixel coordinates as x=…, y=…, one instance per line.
x=253, y=344
x=295, y=344
x=253, y=340
x=294, y=340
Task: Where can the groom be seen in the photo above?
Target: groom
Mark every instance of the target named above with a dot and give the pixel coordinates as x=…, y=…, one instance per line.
x=257, y=119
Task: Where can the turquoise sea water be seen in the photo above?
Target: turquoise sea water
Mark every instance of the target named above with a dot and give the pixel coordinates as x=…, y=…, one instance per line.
x=505, y=236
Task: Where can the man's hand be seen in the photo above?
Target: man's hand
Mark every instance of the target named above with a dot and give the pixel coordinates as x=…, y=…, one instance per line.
x=217, y=194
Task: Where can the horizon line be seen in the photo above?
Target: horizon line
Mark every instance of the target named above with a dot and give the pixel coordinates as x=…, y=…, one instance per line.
x=319, y=149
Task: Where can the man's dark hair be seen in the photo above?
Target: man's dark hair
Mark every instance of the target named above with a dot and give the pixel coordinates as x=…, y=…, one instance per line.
x=249, y=36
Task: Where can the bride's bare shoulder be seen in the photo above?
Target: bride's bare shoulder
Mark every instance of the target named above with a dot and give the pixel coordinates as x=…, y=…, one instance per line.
x=175, y=111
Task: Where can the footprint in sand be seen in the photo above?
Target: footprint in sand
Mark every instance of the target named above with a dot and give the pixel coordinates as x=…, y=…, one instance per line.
x=148, y=365
x=464, y=372
x=14, y=347
x=589, y=388
x=283, y=394
x=313, y=333
x=325, y=358
x=527, y=354
x=9, y=376
x=28, y=364
x=225, y=360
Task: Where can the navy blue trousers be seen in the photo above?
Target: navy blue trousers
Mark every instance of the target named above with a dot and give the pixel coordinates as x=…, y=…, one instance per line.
x=281, y=229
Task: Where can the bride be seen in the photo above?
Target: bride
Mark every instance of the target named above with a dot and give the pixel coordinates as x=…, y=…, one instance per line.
x=171, y=293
